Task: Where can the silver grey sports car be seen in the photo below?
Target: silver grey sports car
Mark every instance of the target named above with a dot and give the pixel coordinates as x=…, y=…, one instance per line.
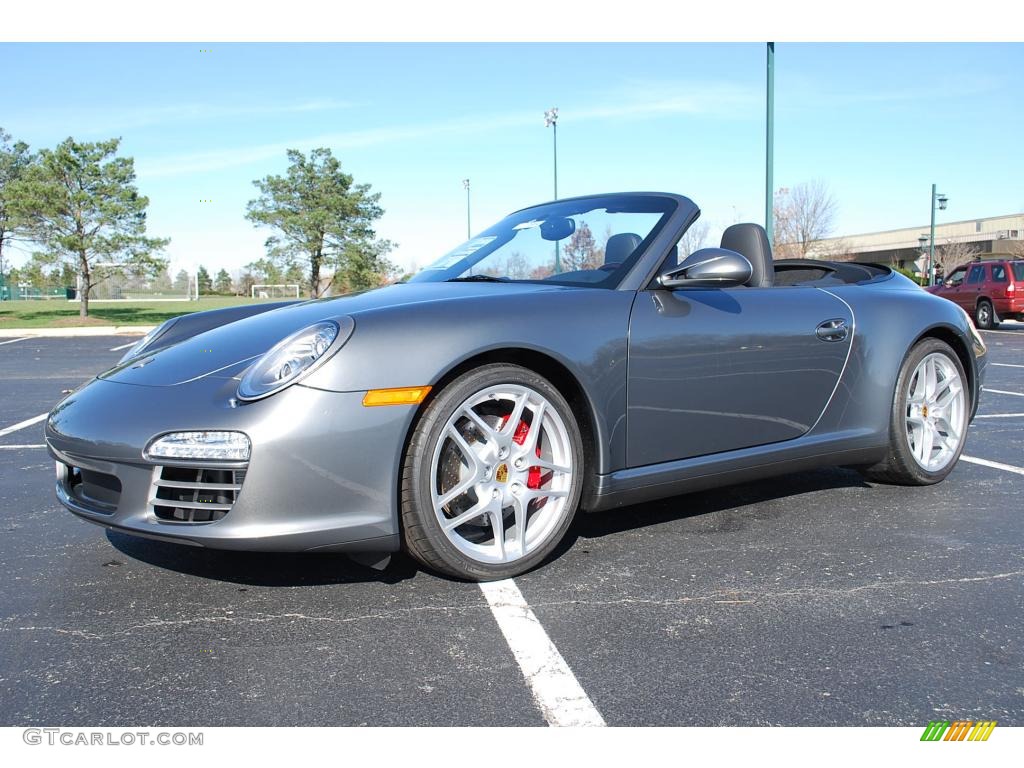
x=565, y=358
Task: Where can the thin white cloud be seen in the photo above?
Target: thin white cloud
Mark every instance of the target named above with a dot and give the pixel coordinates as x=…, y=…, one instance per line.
x=105, y=122
x=634, y=101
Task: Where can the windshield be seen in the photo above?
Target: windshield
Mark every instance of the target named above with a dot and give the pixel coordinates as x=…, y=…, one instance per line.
x=590, y=241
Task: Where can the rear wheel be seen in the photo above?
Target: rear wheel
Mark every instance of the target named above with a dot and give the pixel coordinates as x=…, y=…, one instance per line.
x=492, y=476
x=929, y=417
x=985, y=316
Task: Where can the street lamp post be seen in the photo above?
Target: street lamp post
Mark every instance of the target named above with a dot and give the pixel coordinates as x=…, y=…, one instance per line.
x=551, y=121
x=938, y=201
x=469, y=228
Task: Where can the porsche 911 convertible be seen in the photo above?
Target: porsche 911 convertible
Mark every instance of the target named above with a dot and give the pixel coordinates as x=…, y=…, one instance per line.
x=566, y=358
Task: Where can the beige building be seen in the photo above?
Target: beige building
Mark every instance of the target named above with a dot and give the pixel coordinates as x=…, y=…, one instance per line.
x=991, y=237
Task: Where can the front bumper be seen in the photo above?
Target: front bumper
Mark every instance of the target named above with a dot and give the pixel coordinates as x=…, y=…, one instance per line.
x=322, y=474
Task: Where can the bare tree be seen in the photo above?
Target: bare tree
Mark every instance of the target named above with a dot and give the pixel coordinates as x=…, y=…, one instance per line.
x=694, y=239
x=803, y=214
x=953, y=254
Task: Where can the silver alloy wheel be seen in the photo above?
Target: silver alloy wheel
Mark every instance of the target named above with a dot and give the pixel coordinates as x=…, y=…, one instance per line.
x=936, y=414
x=984, y=313
x=501, y=473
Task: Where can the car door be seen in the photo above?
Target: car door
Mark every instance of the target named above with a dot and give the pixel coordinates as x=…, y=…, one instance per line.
x=714, y=370
x=972, y=287
x=952, y=287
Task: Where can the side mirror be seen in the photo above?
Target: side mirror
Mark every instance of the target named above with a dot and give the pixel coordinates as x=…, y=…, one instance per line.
x=708, y=267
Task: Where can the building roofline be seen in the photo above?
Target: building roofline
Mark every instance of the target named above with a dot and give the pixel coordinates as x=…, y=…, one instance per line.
x=923, y=226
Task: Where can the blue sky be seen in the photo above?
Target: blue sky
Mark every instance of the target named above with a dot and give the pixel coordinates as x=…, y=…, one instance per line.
x=878, y=122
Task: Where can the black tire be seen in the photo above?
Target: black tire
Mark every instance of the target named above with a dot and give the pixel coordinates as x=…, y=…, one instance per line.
x=422, y=535
x=899, y=467
x=985, y=316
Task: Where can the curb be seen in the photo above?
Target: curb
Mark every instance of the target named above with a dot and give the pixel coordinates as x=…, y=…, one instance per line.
x=89, y=330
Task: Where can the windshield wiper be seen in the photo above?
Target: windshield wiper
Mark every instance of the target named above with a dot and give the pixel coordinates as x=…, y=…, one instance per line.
x=478, y=279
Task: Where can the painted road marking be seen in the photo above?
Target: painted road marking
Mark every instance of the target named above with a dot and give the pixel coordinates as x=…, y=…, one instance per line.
x=123, y=346
x=555, y=689
x=1007, y=365
x=994, y=464
x=1002, y=392
x=20, y=447
x=22, y=424
x=13, y=340
x=999, y=416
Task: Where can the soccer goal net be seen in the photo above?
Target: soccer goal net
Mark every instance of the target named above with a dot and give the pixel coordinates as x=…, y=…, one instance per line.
x=116, y=286
x=275, y=291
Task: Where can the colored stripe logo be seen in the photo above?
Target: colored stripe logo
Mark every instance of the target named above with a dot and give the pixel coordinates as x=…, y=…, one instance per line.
x=959, y=730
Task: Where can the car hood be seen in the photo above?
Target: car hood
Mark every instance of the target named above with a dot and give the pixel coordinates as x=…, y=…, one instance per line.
x=228, y=350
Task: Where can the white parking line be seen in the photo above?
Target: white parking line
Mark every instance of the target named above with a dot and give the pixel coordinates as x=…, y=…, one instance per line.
x=21, y=447
x=123, y=346
x=993, y=464
x=13, y=340
x=999, y=415
x=1007, y=365
x=555, y=689
x=1002, y=392
x=22, y=424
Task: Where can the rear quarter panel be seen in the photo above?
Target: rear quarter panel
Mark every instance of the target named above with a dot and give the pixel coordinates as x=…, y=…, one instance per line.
x=890, y=316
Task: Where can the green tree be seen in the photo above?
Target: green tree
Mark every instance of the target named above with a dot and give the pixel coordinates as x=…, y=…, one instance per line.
x=323, y=219
x=181, y=281
x=203, y=280
x=222, y=283
x=162, y=283
x=80, y=203
x=266, y=271
x=14, y=160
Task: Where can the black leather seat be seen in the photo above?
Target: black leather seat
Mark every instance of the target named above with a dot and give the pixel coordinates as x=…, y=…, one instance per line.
x=619, y=248
x=751, y=240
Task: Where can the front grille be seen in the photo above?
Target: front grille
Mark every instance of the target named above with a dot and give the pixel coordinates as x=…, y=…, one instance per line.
x=195, y=494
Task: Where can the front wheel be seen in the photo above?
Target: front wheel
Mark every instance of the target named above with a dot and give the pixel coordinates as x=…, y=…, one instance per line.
x=930, y=411
x=492, y=476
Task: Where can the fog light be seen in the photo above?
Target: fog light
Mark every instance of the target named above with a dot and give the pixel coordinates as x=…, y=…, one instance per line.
x=219, y=446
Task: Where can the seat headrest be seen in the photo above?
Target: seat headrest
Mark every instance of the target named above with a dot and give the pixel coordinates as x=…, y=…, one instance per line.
x=751, y=241
x=620, y=247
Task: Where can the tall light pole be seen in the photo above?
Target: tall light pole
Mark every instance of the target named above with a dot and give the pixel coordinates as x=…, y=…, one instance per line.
x=469, y=228
x=551, y=121
x=938, y=201
x=769, y=197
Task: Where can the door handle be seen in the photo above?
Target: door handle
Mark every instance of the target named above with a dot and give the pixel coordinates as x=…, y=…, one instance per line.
x=833, y=330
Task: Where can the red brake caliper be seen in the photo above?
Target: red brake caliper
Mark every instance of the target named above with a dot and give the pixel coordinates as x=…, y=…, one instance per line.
x=534, y=478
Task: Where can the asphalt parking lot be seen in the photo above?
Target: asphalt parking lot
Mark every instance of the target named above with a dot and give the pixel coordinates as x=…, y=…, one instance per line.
x=813, y=599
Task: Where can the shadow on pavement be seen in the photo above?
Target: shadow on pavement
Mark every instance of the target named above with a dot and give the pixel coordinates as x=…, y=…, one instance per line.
x=264, y=569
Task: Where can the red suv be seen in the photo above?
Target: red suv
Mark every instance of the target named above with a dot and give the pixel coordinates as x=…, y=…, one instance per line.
x=988, y=290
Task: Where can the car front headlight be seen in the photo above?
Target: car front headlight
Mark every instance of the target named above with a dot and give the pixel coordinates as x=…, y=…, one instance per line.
x=293, y=358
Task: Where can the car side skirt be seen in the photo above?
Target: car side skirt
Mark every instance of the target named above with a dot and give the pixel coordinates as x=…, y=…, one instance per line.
x=657, y=481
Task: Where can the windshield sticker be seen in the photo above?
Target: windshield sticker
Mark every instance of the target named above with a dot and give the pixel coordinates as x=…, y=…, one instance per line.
x=464, y=250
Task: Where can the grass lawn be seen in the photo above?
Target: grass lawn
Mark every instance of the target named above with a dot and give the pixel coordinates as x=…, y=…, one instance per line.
x=60, y=313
